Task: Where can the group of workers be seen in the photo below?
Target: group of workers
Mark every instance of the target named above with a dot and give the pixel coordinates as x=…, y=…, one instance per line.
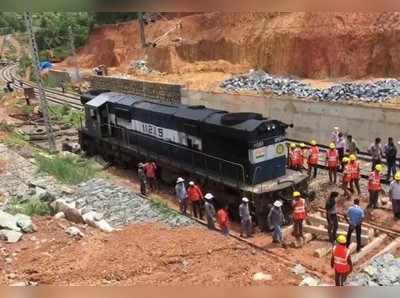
x=342, y=157
x=147, y=173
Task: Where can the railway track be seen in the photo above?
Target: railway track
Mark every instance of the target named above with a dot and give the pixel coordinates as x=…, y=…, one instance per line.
x=70, y=99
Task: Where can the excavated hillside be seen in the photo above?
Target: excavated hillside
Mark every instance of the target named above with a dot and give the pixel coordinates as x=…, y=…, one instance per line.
x=306, y=45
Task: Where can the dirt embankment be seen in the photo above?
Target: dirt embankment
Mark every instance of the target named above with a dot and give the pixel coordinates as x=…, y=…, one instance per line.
x=308, y=45
x=137, y=255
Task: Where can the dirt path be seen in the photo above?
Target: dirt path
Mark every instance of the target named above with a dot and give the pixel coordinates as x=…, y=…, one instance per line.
x=137, y=255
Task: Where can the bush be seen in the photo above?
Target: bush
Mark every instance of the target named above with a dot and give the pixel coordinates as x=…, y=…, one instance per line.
x=67, y=115
x=15, y=140
x=31, y=207
x=69, y=169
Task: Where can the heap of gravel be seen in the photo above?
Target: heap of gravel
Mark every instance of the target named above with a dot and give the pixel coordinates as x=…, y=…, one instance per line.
x=119, y=206
x=261, y=81
x=382, y=271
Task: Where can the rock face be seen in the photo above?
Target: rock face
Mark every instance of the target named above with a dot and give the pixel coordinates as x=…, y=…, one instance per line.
x=100, y=199
x=383, y=271
x=304, y=44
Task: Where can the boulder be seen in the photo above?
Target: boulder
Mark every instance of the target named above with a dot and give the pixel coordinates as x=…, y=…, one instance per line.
x=8, y=221
x=260, y=276
x=74, y=232
x=24, y=222
x=10, y=236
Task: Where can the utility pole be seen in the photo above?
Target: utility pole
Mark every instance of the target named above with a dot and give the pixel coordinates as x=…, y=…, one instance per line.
x=141, y=29
x=42, y=95
x=76, y=62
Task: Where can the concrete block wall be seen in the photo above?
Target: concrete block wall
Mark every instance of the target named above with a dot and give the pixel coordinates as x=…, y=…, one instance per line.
x=312, y=120
x=162, y=92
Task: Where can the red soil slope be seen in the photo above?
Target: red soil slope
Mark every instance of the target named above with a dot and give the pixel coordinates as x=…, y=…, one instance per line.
x=308, y=45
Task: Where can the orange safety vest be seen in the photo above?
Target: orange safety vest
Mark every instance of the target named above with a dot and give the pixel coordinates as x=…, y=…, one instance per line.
x=355, y=170
x=295, y=158
x=347, y=173
x=194, y=193
x=332, y=158
x=374, y=182
x=313, y=156
x=341, y=256
x=299, y=209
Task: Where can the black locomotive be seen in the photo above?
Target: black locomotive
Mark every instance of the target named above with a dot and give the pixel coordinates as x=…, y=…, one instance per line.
x=236, y=154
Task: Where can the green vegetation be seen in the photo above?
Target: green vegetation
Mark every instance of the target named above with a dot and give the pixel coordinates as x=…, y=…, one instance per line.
x=67, y=115
x=163, y=209
x=69, y=169
x=24, y=62
x=31, y=207
x=15, y=140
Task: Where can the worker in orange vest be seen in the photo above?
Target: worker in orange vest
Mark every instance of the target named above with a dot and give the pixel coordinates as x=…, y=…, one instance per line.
x=299, y=214
x=302, y=152
x=346, y=177
x=291, y=161
x=150, y=168
x=195, y=197
x=223, y=220
x=355, y=173
x=374, y=186
x=313, y=158
x=341, y=261
x=332, y=161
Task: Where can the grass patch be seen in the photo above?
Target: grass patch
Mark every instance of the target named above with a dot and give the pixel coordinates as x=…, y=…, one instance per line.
x=30, y=208
x=67, y=115
x=69, y=169
x=163, y=209
x=15, y=140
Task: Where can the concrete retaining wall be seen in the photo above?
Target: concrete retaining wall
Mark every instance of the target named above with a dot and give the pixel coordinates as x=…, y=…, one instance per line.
x=158, y=91
x=311, y=119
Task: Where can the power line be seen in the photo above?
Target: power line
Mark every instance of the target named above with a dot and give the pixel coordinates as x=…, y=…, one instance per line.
x=42, y=94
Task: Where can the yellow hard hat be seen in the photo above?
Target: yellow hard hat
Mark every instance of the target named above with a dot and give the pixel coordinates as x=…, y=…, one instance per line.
x=296, y=194
x=341, y=239
x=332, y=145
x=302, y=145
x=292, y=145
x=313, y=142
x=353, y=157
x=345, y=159
x=379, y=168
x=397, y=176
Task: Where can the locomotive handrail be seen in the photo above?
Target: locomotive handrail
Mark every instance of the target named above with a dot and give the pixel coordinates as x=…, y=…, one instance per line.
x=126, y=131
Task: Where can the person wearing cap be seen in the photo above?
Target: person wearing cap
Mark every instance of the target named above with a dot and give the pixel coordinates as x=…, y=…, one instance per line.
x=394, y=195
x=332, y=161
x=223, y=220
x=210, y=211
x=341, y=147
x=376, y=152
x=374, y=186
x=346, y=179
x=331, y=216
x=303, y=153
x=195, y=197
x=334, y=134
x=354, y=166
x=390, y=151
x=354, y=217
x=275, y=221
x=341, y=261
x=245, y=218
x=291, y=157
x=313, y=158
x=298, y=158
x=142, y=179
x=299, y=214
x=181, y=194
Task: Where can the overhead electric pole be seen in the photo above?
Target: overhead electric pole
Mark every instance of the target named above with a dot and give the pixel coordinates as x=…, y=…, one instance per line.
x=141, y=29
x=76, y=62
x=42, y=95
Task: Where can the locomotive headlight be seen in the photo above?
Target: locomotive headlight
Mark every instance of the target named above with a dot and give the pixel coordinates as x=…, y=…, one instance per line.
x=268, y=128
x=273, y=126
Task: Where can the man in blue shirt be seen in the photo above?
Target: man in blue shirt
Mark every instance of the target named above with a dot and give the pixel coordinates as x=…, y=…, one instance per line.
x=355, y=216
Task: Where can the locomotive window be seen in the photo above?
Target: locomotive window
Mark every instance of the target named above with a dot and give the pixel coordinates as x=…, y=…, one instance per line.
x=92, y=114
x=191, y=129
x=122, y=114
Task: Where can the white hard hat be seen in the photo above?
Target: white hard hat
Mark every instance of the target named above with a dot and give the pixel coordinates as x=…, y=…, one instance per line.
x=278, y=204
x=179, y=180
x=246, y=200
x=208, y=196
x=191, y=183
x=336, y=128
